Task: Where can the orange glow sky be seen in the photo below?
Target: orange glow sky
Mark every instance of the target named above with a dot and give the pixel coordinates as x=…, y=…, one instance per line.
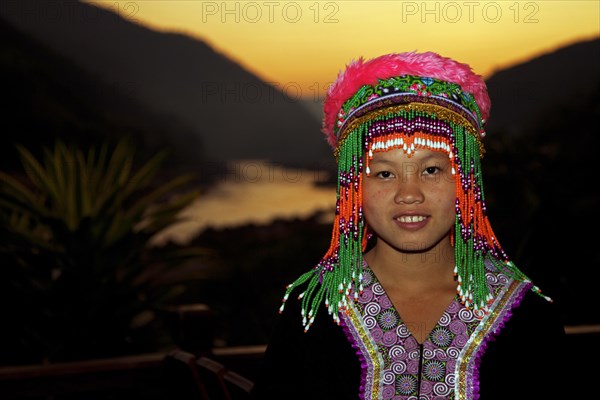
x=301, y=45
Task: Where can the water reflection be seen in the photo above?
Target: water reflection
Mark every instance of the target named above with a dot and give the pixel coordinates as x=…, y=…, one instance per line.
x=253, y=192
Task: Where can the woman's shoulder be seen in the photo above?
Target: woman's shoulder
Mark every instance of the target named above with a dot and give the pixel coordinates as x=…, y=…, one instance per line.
x=530, y=346
x=317, y=362
x=538, y=312
x=527, y=313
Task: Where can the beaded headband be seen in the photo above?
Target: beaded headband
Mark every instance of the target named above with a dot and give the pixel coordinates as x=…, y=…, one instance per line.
x=445, y=99
x=405, y=101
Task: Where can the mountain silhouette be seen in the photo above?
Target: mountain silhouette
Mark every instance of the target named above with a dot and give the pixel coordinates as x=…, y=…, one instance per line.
x=525, y=93
x=46, y=97
x=236, y=115
x=542, y=140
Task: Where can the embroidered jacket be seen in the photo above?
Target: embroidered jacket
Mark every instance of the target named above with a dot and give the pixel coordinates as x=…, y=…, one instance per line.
x=373, y=355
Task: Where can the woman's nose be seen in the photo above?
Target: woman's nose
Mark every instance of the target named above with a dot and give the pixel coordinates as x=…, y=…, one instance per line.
x=408, y=190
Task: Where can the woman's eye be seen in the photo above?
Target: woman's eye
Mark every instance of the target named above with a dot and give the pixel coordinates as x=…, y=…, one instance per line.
x=385, y=174
x=431, y=170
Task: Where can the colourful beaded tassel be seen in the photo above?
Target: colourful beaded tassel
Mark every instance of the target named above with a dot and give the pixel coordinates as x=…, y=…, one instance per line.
x=478, y=242
x=341, y=267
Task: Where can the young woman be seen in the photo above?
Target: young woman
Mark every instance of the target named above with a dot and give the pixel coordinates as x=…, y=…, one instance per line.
x=415, y=298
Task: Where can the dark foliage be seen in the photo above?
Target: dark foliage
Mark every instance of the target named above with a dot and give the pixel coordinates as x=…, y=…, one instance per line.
x=80, y=279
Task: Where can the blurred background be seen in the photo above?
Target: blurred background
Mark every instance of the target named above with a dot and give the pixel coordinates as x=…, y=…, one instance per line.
x=163, y=175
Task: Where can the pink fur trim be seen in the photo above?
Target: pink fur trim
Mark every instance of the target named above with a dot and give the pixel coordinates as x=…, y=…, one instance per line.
x=428, y=64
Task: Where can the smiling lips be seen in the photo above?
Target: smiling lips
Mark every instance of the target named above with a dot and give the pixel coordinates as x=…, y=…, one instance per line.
x=411, y=218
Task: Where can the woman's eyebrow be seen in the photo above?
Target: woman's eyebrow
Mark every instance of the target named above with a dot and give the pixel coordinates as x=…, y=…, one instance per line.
x=381, y=161
x=438, y=156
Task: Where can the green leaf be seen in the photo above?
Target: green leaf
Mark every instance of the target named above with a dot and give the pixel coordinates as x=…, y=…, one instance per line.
x=85, y=189
x=15, y=188
x=37, y=174
x=145, y=174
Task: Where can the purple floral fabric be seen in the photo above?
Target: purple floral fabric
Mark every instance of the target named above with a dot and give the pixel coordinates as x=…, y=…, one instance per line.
x=396, y=366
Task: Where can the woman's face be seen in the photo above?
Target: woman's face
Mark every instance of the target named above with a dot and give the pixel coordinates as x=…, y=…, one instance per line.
x=409, y=202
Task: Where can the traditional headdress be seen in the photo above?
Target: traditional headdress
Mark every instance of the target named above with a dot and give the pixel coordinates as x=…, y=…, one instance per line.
x=405, y=101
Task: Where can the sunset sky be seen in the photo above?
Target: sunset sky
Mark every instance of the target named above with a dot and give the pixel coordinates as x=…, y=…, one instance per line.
x=302, y=45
